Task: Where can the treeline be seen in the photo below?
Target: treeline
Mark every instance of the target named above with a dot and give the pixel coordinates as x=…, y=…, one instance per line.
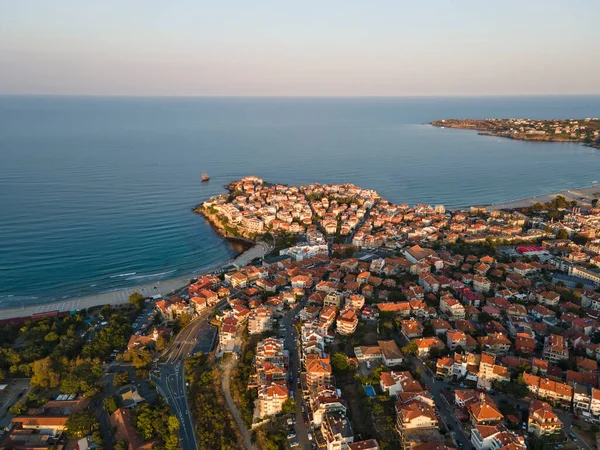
x=21, y=346
x=214, y=424
x=155, y=421
x=51, y=352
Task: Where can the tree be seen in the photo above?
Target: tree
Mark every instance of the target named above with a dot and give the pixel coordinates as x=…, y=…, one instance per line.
x=17, y=409
x=137, y=300
x=378, y=409
x=161, y=343
x=410, y=349
x=339, y=362
x=289, y=406
x=484, y=317
x=562, y=234
x=121, y=445
x=139, y=358
x=80, y=423
x=184, y=319
x=120, y=378
x=45, y=373
x=110, y=404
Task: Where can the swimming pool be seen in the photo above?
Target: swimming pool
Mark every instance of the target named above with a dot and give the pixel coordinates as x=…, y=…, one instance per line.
x=370, y=390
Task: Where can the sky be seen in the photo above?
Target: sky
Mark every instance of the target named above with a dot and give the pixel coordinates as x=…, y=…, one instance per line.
x=300, y=48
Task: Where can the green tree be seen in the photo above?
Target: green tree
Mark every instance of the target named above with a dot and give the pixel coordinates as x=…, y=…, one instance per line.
x=120, y=378
x=410, y=349
x=562, y=234
x=139, y=358
x=289, y=406
x=80, y=423
x=18, y=408
x=137, y=300
x=45, y=373
x=339, y=362
x=161, y=343
x=121, y=445
x=110, y=404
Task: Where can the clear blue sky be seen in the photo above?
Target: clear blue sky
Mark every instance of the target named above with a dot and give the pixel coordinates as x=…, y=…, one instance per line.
x=298, y=48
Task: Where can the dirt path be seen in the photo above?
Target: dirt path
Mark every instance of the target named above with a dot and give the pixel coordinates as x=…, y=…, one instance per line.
x=225, y=384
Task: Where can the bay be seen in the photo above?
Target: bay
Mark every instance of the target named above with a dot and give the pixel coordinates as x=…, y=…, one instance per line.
x=97, y=193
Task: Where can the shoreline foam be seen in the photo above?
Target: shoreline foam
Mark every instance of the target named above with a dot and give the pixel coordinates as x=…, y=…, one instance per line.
x=120, y=296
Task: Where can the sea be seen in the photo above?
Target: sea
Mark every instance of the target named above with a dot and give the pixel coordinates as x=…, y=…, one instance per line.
x=96, y=193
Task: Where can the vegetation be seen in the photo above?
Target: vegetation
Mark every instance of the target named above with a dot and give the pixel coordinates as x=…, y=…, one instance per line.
x=81, y=423
x=18, y=408
x=114, y=335
x=242, y=396
x=110, y=404
x=214, y=424
x=137, y=300
x=120, y=378
x=289, y=406
x=154, y=421
x=139, y=358
x=48, y=337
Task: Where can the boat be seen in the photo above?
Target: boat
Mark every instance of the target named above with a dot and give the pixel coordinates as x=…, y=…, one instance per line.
x=205, y=177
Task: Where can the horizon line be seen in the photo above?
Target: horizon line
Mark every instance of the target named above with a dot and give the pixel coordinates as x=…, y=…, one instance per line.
x=224, y=96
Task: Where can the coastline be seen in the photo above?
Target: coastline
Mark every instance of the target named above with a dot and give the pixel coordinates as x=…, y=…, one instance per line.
x=582, y=195
x=120, y=296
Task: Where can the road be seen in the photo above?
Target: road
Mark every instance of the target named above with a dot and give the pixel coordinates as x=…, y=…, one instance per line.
x=290, y=339
x=436, y=388
x=198, y=335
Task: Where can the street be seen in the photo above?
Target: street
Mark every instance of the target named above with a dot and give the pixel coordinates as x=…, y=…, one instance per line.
x=289, y=337
x=198, y=335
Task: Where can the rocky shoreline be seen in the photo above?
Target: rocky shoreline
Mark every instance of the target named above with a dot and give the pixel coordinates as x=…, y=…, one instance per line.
x=530, y=130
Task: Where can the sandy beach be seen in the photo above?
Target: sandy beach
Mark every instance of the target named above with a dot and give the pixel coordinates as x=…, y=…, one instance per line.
x=162, y=288
x=583, y=196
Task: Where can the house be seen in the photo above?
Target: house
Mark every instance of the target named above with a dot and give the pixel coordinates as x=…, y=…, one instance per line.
x=346, y=322
x=337, y=430
x=44, y=424
x=318, y=370
x=542, y=420
x=391, y=354
x=270, y=399
x=415, y=414
x=411, y=328
x=452, y=307
x=484, y=411
x=260, y=320
x=417, y=253
x=395, y=382
x=370, y=444
x=455, y=338
x=440, y=326
x=496, y=437
x=595, y=403
x=426, y=344
x=582, y=398
x=555, y=348
x=548, y=298
x=122, y=423
x=524, y=343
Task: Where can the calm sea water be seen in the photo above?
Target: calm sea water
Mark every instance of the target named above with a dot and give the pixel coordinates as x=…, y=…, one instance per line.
x=96, y=193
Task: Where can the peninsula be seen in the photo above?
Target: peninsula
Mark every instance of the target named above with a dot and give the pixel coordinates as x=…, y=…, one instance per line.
x=585, y=131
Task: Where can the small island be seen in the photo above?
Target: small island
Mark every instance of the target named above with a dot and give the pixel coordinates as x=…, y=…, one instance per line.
x=584, y=131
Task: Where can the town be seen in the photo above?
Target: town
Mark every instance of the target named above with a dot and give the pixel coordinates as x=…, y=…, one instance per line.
x=369, y=325
x=586, y=131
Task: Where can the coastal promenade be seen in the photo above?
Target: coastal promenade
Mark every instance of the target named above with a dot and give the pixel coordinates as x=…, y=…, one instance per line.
x=119, y=297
